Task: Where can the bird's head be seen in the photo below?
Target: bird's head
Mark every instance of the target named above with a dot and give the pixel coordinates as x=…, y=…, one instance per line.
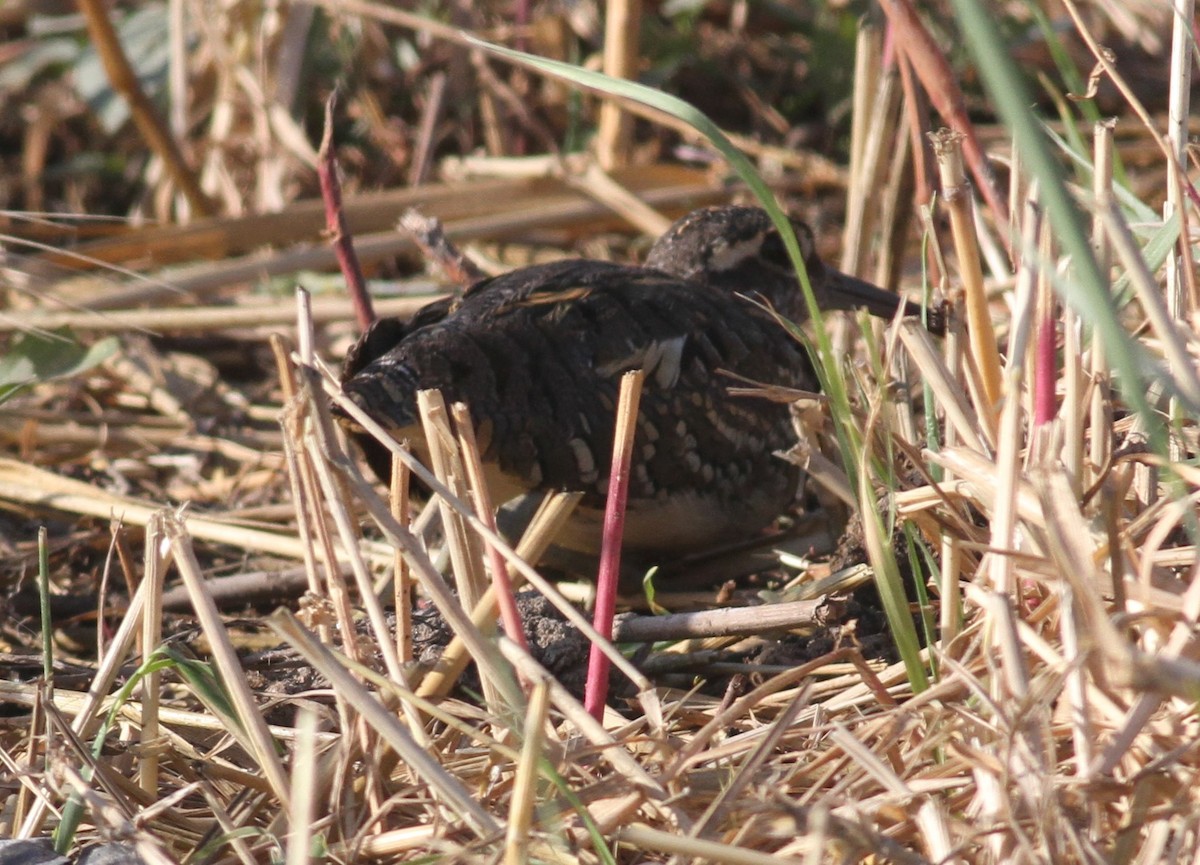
x=739, y=249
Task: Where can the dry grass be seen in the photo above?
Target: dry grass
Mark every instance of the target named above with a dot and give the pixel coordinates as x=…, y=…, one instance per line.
x=1056, y=527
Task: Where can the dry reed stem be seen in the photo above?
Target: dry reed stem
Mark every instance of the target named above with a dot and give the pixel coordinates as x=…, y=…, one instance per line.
x=423, y=568
x=366, y=213
x=861, y=218
x=435, y=99
x=304, y=776
x=402, y=584
x=124, y=79
x=643, y=837
x=868, y=66
x=322, y=488
x=252, y=312
x=300, y=480
x=501, y=586
x=466, y=555
x=573, y=711
x=960, y=414
x=87, y=717
x=320, y=440
x=957, y=196
x=1173, y=341
x=31, y=430
x=541, y=531
x=622, y=25
x=73, y=703
x=250, y=730
x=21, y=482
x=895, y=218
x=536, y=208
x=396, y=735
x=744, y=774
x=524, y=794
x=154, y=565
x=914, y=41
x=551, y=515
x=1010, y=437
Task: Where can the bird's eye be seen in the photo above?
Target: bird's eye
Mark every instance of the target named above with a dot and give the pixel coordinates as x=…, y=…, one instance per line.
x=774, y=250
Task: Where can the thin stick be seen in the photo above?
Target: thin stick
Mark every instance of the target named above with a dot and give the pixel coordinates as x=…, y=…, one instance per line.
x=402, y=582
x=125, y=81
x=429, y=233
x=509, y=615
x=335, y=223
x=434, y=100
x=525, y=794
x=724, y=622
x=1100, y=422
x=610, y=549
x=151, y=638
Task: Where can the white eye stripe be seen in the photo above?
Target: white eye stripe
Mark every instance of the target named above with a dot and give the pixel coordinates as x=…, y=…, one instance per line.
x=727, y=256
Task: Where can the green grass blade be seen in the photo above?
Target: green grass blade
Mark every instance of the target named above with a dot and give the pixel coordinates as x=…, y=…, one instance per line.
x=1087, y=293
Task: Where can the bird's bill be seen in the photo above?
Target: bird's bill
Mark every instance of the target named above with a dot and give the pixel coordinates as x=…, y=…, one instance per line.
x=850, y=292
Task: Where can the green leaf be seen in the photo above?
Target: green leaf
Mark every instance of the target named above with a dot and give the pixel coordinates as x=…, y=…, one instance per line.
x=43, y=356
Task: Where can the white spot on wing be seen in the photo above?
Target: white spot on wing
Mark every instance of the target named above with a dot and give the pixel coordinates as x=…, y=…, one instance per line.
x=658, y=359
x=665, y=360
x=584, y=460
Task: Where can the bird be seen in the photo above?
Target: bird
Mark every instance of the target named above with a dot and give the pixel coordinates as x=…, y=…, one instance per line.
x=537, y=355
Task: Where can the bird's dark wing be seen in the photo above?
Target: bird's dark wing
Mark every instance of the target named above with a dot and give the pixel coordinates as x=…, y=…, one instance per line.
x=538, y=354
x=383, y=335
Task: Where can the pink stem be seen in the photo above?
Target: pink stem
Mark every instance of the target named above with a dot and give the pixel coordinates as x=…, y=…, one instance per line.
x=335, y=224
x=596, y=690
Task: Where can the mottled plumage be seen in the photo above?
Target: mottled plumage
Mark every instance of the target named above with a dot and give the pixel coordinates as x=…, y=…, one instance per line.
x=538, y=353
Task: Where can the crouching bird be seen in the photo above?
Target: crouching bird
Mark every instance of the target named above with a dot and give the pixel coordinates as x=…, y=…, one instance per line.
x=537, y=355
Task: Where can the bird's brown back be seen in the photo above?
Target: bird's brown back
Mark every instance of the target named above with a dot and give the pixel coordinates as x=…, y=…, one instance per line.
x=537, y=355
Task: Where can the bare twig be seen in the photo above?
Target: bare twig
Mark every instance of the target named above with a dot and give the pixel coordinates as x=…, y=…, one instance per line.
x=335, y=224
x=125, y=81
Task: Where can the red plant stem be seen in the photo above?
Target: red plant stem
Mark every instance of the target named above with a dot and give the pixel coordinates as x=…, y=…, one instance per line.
x=335, y=224
x=1045, y=373
x=939, y=81
x=596, y=690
